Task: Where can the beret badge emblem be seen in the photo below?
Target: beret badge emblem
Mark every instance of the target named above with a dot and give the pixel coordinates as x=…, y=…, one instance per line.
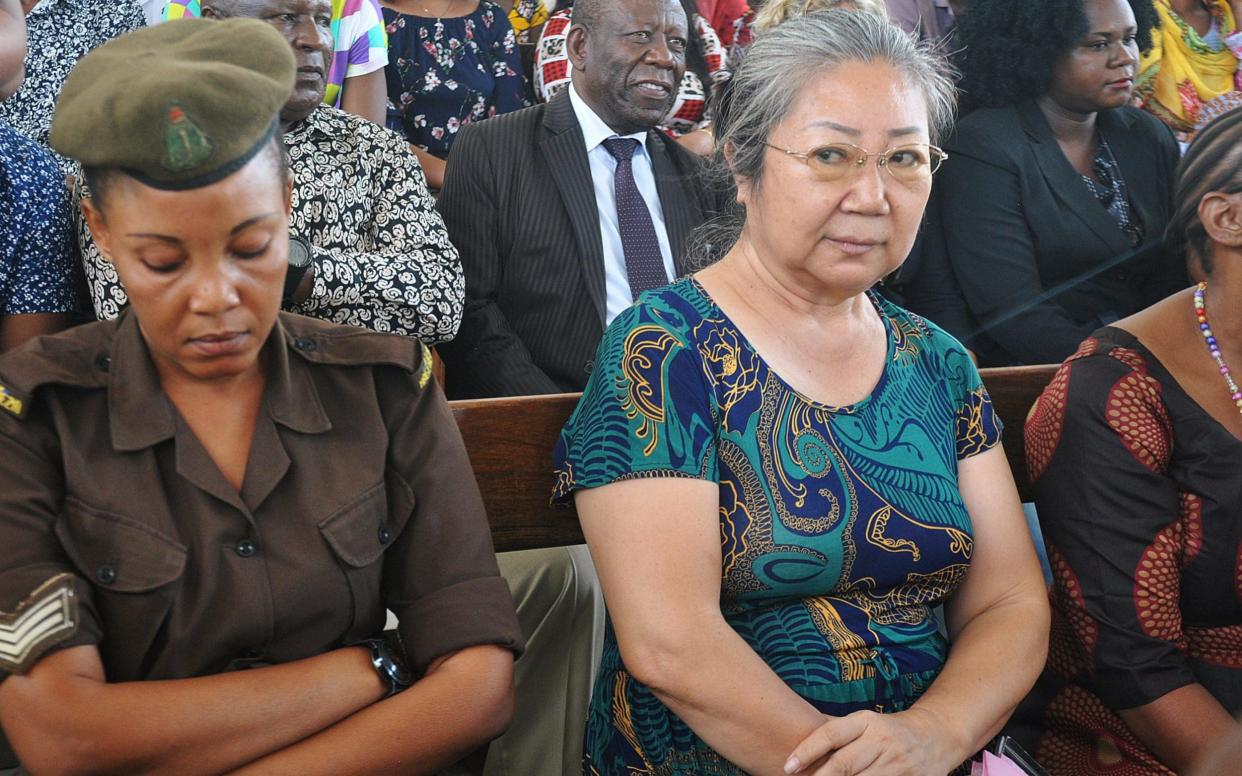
x=185, y=145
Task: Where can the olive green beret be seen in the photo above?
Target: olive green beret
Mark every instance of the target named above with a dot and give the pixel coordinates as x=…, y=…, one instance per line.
x=179, y=105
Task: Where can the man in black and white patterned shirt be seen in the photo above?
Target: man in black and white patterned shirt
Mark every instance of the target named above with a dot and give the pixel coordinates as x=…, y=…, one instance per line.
x=381, y=256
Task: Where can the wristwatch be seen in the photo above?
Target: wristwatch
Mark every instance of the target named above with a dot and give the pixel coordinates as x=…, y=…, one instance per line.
x=299, y=262
x=389, y=664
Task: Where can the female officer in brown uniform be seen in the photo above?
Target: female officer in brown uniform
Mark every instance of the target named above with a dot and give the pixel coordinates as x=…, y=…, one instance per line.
x=207, y=484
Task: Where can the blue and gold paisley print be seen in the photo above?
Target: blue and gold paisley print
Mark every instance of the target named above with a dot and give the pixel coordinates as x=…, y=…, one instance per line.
x=841, y=527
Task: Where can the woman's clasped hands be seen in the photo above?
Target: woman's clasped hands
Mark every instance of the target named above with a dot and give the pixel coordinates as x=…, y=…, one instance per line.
x=914, y=742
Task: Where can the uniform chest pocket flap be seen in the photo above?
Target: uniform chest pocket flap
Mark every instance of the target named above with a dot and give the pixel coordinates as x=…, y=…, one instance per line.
x=116, y=552
x=359, y=532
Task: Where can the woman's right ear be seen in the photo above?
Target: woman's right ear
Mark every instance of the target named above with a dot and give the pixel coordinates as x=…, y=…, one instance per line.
x=1221, y=216
x=99, y=227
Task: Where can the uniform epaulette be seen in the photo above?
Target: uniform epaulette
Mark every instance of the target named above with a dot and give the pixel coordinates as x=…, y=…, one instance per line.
x=77, y=358
x=328, y=343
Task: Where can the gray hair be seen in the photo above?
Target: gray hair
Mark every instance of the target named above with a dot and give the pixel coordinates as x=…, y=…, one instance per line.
x=776, y=68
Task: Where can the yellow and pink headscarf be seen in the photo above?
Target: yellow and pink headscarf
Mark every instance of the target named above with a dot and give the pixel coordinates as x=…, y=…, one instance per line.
x=1182, y=74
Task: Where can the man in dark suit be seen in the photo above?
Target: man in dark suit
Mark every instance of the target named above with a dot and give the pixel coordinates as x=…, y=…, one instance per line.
x=563, y=213
x=530, y=201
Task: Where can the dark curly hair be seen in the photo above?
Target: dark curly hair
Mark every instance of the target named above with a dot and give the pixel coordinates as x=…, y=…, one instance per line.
x=1010, y=46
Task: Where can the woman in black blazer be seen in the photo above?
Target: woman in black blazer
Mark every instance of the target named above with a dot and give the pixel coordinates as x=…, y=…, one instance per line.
x=1048, y=216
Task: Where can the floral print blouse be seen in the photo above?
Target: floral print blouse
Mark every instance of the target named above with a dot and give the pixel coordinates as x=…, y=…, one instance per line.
x=445, y=73
x=36, y=231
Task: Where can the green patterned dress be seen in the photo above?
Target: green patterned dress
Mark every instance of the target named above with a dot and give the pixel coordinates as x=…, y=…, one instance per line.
x=841, y=527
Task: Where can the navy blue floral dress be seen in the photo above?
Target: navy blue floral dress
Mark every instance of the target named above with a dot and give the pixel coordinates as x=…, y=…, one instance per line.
x=445, y=73
x=36, y=230
x=841, y=528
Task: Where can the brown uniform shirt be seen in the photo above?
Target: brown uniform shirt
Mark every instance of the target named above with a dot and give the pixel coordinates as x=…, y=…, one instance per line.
x=117, y=529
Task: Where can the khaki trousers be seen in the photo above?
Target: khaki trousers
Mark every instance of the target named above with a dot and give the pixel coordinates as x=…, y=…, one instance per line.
x=561, y=610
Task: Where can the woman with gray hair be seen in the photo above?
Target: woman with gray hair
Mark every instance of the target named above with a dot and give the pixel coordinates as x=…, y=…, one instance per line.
x=780, y=474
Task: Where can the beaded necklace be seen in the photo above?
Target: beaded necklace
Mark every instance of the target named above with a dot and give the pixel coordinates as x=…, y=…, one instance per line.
x=1213, y=347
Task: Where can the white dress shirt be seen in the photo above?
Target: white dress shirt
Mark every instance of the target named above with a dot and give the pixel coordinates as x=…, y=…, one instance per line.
x=603, y=170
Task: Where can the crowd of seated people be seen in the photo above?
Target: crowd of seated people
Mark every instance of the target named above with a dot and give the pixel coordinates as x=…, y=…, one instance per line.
x=770, y=242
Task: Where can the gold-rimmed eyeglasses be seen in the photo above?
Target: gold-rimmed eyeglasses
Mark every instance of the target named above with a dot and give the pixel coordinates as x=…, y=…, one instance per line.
x=834, y=161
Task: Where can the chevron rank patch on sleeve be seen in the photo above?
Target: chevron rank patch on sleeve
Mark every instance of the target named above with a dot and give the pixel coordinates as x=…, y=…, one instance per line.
x=45, y=618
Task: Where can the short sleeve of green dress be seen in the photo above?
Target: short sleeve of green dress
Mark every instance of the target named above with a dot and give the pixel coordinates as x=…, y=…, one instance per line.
x=841, y=527
x=648, y=409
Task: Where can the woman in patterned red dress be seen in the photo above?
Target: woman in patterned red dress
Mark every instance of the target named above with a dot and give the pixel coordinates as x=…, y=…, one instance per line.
x=1135, y=451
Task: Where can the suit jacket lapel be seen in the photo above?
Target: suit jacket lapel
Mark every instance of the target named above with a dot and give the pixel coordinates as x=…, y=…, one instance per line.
x=674, y=203
x=1066, y=183
x=565, y=151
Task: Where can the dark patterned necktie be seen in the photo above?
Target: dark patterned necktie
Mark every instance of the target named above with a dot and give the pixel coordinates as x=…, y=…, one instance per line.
x=644, y=266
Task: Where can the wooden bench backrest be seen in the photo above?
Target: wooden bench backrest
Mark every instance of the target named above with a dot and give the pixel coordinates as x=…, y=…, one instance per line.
x=1014, y=391
x=510, y=443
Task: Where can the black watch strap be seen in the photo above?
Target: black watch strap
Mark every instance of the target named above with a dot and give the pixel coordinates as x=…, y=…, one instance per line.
x=300, y=259
x=389, y=663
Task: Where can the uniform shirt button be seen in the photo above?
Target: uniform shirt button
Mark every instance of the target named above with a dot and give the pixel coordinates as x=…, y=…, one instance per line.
x=384, y=536
x=249, y=654
x=305, y=345
x=103, y=363
x=246, y=548
x=106, y=574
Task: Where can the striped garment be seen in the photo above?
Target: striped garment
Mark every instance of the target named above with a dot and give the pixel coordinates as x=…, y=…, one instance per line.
x=361, y=44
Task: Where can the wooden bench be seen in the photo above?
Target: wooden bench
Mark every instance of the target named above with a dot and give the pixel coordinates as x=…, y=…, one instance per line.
x=510, y=443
